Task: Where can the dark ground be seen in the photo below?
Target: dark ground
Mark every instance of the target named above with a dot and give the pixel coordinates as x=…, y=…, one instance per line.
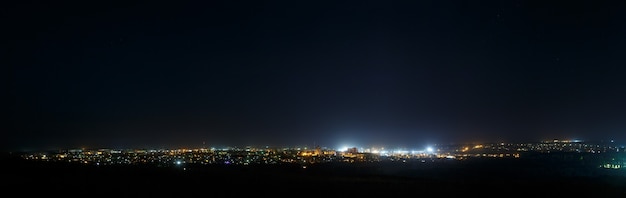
x=486, y=178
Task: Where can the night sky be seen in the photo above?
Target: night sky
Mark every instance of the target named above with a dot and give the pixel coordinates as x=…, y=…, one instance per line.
x=153, y=74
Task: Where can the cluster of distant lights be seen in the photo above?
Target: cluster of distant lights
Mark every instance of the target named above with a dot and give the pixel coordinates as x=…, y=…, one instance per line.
x=382, y=151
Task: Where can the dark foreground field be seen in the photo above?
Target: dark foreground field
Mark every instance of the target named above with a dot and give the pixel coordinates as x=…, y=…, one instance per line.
x=487, y=178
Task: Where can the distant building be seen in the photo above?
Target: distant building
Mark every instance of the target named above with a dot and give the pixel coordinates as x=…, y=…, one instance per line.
x=352, y=150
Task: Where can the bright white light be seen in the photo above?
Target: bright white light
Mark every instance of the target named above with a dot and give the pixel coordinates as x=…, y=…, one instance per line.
x=401, y=152
x=429, y=149
x=345, y=148
x=178, y=162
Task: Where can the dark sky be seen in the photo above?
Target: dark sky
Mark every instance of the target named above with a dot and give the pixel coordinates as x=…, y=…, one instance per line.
x=285, y=73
